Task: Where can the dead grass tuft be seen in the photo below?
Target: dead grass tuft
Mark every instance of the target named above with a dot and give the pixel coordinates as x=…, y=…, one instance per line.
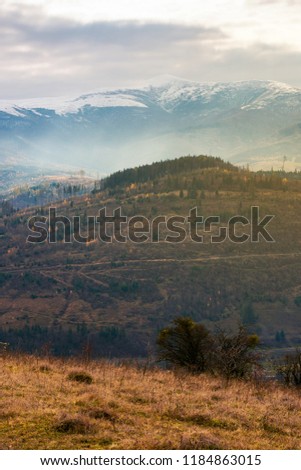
x=98, y=413
x=74, y=425
x=80, y=376
x=199, y=442
x=44, y=368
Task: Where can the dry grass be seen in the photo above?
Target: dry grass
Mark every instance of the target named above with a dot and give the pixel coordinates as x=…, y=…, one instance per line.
x=131, y=408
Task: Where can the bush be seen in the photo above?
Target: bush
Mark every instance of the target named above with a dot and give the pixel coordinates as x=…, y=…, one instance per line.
x=234, y=355
x=190, y=345
x=185, y=344
x=298, y=301
x=290, y=369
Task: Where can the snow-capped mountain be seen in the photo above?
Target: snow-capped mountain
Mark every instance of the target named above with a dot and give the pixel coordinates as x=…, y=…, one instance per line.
x=250, y=121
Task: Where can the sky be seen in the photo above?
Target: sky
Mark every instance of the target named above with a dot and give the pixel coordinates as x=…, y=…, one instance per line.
x=67, y=47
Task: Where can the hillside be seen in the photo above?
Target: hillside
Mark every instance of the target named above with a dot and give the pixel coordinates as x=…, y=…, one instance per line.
x=116, y=296
x=254, y=122
x=128, y=407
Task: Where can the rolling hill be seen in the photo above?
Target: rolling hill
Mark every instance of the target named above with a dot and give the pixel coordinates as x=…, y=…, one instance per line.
x=118, y=295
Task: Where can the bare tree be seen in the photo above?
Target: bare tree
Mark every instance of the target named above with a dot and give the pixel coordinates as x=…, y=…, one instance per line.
x=234, y=355
x=290, y=368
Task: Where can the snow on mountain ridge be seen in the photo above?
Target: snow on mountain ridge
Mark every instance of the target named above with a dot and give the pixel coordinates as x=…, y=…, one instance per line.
x=170, y=95
x=64, y=105
x=167, y=91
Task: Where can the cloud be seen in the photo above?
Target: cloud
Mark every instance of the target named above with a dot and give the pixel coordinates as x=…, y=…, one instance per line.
x=274, y=2
x=260, y=61
x=43, y=56
x=33, y=29
x=41, y=49
x=30, y=25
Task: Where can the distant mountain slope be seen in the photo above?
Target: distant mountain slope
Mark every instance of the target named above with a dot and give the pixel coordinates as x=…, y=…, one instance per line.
x=250, y=121
x=121, y=294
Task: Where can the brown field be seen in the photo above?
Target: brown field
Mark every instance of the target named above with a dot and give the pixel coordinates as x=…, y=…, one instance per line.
x=131, y=407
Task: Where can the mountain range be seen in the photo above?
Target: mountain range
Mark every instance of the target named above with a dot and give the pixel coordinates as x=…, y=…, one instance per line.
x=249, y=122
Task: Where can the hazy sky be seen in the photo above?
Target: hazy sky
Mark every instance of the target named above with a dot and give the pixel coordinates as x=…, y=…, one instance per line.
x=58, y=47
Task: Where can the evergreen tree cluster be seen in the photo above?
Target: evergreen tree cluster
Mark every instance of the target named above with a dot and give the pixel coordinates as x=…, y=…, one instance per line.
x=157, y=170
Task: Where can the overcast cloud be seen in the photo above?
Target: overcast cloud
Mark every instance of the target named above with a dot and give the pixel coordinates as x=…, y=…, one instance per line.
x=42, y=54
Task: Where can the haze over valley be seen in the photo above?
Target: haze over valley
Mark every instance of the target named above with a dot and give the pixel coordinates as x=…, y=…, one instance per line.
x=253, y=123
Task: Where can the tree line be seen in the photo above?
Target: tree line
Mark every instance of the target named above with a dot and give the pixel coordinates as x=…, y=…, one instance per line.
x=160, y=169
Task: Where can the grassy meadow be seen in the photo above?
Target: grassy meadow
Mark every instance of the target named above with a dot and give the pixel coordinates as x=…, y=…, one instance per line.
x=72, y=404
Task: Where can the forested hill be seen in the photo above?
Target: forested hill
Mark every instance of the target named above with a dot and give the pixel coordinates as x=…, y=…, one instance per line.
x=156, y=170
